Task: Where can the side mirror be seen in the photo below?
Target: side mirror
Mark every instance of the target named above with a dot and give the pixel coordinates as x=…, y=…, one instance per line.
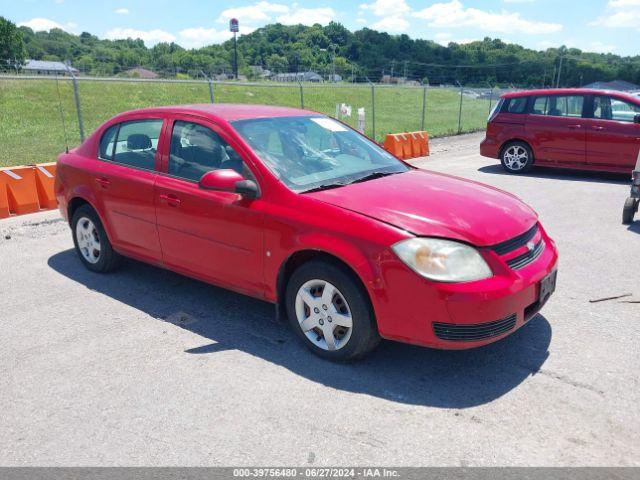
x=228, y=180
x=636, y=118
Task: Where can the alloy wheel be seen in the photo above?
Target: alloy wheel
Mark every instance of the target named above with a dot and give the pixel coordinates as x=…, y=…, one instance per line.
x=516, y=157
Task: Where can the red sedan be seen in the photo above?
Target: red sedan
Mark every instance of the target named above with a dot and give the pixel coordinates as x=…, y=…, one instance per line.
x=568, y=128
x=297, y=209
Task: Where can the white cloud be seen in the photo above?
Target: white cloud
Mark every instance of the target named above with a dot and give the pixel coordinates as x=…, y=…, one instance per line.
x=393, y=24
x=444, y=39
x=199, y=36
x=308, y=16
x=454, y=14
x=620, y=14
x=361, y=21
x=384, y=8
x=122, y=11
x=257, y=13
x=392, y=15
x=264, y=12
x=150, y=37
x=518, y=1
x=623, y=3
x=42, y=24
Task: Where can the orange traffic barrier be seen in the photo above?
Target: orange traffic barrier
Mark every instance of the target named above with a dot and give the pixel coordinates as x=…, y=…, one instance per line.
x=407, y=145
x=421, y=145
x=26, y=189
x=4, y=201
x=407, y=149
x=393, y=144
x=416, y=144
x=45, y=176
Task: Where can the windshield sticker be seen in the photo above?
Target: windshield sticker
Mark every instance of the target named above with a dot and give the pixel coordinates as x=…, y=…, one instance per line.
x=329, y=124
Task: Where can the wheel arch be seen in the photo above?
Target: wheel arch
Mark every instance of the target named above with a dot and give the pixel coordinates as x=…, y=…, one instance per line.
x=301, y=257
x=78, y=200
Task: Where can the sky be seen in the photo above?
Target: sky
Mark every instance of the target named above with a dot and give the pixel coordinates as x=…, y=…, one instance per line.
x=591, y=25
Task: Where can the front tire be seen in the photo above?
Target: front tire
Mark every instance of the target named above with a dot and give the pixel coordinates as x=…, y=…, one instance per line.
x=629, y=210
x=91, y=241
x=330, y=312
x=516, y=157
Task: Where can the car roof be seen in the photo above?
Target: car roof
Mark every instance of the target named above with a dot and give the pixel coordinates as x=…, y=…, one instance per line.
x=569, y=91
x=224, y=111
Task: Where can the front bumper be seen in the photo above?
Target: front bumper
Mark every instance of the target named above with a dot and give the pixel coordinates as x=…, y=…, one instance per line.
x=415, y=310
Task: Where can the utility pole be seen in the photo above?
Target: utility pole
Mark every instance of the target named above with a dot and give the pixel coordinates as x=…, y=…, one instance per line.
x=405, y=71
x=559, y=72
x=234, y=27
x=393, y=64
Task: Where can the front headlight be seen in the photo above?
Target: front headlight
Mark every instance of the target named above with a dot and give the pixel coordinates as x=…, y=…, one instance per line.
x=442, y=260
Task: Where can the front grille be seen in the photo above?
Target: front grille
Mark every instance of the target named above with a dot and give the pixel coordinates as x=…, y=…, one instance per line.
x=473, y=332
x=526, y=258
x=516, y=242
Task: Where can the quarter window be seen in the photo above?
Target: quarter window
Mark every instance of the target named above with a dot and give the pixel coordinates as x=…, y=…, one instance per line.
x=196, y=150
x=517, y=105
x=107, y=143
x=610, y=108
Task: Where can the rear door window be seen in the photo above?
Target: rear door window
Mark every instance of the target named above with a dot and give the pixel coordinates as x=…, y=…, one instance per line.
x=136, y=143
x=558, y=105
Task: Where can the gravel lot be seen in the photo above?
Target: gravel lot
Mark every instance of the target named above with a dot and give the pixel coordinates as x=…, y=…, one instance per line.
x=145, y=367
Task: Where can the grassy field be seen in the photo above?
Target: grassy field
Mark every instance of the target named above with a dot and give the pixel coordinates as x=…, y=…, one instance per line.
x=31, y=129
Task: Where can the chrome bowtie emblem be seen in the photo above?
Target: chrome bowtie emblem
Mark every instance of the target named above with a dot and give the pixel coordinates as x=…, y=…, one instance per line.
x=530, y=246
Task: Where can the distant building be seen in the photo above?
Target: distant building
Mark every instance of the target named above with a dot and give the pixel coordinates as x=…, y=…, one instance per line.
x=297, y=77
x=259, y=71
x=334, y=78
x=620, y=85
x=139, y=72
x=44, y=67
x=388, y=79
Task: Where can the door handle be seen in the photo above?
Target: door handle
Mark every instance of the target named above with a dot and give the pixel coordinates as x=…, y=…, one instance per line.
x=575, y=126
x=103, y=182
x=595, y=127
x=171, y=200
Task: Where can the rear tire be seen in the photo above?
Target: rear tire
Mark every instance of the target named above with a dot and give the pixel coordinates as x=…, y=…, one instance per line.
x=329, y=310
x=629, y=210
x=516, y=157
x=91, y=241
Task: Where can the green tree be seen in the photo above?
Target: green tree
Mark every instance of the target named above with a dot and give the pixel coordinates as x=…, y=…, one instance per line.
x=12, y=50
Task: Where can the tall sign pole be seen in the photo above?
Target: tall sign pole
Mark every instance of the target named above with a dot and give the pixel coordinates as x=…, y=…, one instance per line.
x=235, y=27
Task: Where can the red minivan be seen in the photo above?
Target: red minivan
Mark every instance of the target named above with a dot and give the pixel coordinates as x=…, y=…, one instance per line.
x=569, y=128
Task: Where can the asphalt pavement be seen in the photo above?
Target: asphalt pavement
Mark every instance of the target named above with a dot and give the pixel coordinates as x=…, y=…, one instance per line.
x=144, y=367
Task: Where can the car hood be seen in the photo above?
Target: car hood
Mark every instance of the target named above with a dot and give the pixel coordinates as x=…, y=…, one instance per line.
x=433, y=204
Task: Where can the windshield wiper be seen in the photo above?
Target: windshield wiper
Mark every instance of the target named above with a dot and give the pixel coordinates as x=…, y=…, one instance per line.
x=371, y=176
x=325, y=186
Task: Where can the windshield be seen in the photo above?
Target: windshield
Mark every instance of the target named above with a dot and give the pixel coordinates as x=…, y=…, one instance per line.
x=309, y=153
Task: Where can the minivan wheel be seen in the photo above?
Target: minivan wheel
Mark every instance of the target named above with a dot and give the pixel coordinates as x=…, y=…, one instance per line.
x=516, y=157
x=330, y=312
x=629, y=210
x=91, y=241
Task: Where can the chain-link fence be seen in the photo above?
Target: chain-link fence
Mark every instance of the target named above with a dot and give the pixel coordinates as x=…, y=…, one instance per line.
x=39, y=116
